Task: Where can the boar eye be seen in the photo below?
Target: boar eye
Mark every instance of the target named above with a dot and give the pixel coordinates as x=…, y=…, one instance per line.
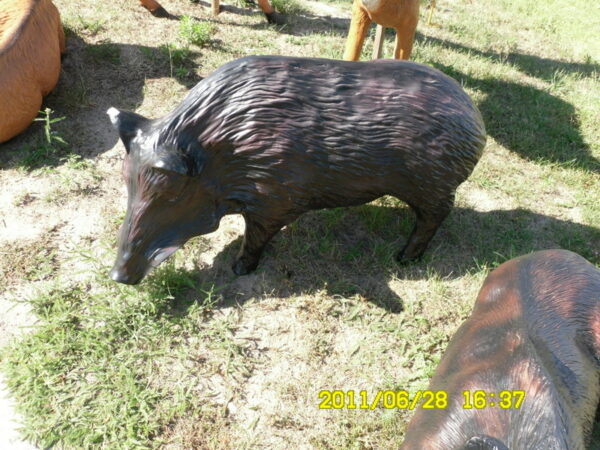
x=166, y=184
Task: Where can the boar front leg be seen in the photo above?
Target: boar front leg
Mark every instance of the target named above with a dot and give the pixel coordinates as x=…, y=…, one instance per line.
x=258, y=233
x=428, y=222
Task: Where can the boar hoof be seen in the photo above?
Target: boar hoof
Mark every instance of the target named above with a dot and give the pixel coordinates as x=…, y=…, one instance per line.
x=275, y=18
x=403, y=258
x=243, y=267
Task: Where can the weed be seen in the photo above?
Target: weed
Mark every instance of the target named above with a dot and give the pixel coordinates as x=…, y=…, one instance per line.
x=179, y=59
x=292, y=7
x=52, y=138
x=92, y=27
x=195, y=32
x=47, y=147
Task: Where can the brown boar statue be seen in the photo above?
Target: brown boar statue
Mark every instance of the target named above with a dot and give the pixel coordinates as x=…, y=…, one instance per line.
x=535, y=328
x=31, y=41
x=271, y=137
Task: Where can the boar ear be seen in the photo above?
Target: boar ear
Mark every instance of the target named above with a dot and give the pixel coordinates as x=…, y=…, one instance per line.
x=127, y=123
x=188, y=160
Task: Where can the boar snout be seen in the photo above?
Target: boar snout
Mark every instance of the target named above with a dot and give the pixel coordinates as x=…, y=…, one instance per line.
x=121, y=276
x=126, y=271
x=130, y=270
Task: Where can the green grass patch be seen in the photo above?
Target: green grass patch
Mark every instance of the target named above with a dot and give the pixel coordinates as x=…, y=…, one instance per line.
x=195, y=32
x=180, y=61
x=92, y=27
x=292, y=7
x=94, y=371
x=48, y=145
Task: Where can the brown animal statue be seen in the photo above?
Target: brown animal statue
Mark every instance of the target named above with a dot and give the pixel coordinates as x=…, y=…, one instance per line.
x=402, y=15
x=535, y=328
x=31, y=41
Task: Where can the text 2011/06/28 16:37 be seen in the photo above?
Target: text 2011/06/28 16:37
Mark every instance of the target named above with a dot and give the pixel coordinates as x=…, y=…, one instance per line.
x=427, y=399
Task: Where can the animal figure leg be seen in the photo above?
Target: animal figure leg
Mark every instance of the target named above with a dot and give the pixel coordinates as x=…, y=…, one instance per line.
x=357, y=33
x=378, y=43
x=270, y=14
x=265, y=6
x=258, y=234
x=431, y=9
x=405, y=33
x=19, y=117
x=216, y=7
x=155, y=8
x=428, y=222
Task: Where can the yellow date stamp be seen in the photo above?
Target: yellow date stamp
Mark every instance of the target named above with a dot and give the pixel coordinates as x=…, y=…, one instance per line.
x=428, y=399
x=506, y=399
x=387, y=399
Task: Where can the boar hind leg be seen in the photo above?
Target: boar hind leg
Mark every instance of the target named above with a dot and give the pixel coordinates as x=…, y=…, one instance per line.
x=428, y=221
x=258, y=233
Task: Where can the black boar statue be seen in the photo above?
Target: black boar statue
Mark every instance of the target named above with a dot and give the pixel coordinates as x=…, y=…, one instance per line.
x=271, y=137
x=535, y=328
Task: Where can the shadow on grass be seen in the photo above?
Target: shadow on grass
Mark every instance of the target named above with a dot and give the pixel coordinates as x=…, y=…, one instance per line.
x=535, y=66
x=535, y=124
x=299, y=24
x=94, y=78
x=350, y=251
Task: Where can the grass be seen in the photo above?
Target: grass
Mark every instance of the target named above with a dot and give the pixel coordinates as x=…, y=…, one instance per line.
x=291, y=7
x=179, y=59
x=48, y=145
x=195, y=357
x=100, y=352
x=105, y=52
x=91, y=26
x=195, y=32
x=85, y=350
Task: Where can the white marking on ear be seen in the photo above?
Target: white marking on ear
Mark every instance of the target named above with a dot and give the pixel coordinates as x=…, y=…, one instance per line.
x=113, y=114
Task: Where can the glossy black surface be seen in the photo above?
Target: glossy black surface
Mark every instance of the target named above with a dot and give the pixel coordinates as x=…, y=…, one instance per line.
x=271, y=137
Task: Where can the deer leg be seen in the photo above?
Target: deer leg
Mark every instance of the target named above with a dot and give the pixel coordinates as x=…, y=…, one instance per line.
x=357, y=33
x=270, y=14
x=265, y=6
x=405, y=31
x=216, y=7
x=155, y=8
